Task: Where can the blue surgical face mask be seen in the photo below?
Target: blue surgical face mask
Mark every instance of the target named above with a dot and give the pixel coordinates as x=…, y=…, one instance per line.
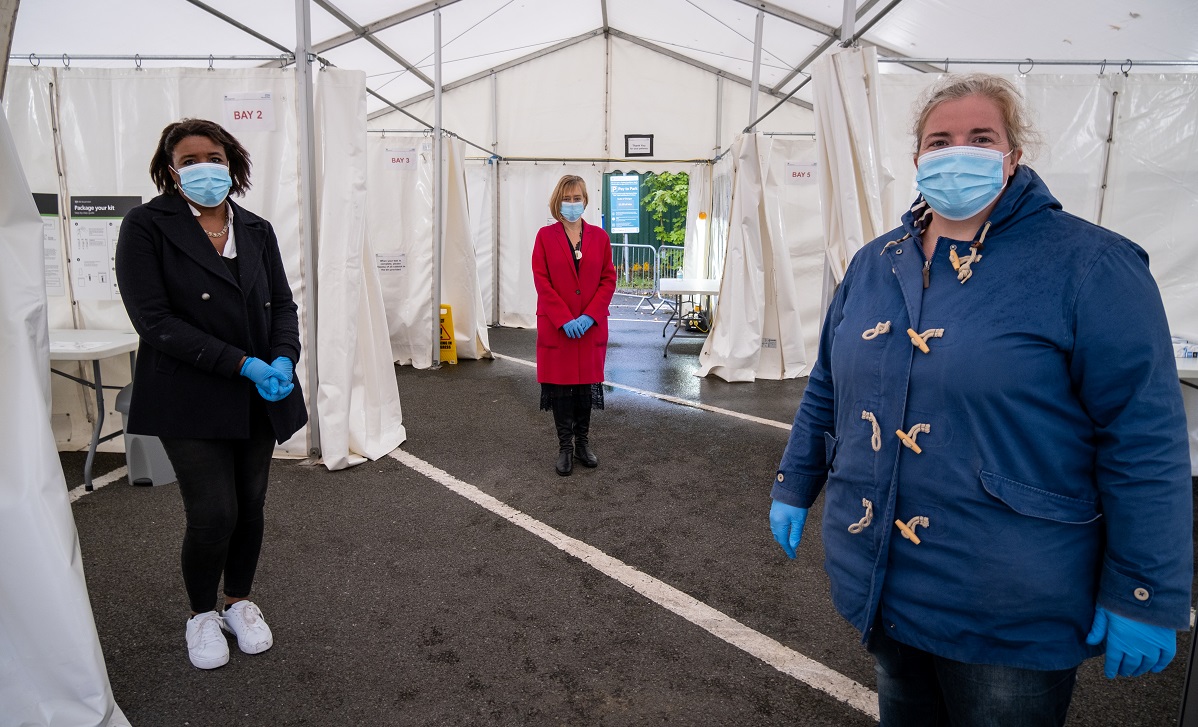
x=205, y=184
x=572, y=210
x=960, y=181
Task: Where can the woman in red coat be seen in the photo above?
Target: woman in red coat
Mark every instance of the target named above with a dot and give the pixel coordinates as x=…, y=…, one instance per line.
x=575, y=279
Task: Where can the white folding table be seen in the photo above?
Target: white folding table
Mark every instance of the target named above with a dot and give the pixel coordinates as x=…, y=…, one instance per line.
x=92, y=345
x=680, y=288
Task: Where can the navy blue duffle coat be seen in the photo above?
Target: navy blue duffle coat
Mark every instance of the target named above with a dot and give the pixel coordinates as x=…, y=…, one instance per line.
x=1053, y=470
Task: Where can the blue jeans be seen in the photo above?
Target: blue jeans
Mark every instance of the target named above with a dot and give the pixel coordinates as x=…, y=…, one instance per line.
x=916, y=688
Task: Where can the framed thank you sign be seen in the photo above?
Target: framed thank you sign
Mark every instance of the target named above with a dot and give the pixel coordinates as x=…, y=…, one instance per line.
x=638, y=145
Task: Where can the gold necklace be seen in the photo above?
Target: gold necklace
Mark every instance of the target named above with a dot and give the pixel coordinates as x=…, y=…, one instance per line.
x=225, y=229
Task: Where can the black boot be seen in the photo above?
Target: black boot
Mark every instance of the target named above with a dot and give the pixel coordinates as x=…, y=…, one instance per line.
x=582, y=425
x=563, y=419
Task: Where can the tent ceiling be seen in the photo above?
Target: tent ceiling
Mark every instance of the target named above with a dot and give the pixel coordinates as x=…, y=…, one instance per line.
x=481, y=34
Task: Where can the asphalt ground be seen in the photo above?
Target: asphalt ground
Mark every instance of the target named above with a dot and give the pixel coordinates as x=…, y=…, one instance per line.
x=396, y=600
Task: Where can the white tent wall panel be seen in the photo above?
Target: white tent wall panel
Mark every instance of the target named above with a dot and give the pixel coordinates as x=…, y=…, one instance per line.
x=110, y=122
x=1151, y=176
x=734, y=110
x=27, y=105
x=1152, y=195
x=524, y=192
x=553, y=106
x=465, y=110
x=399, y=227
x=1152, y=185
x=357, y=399
x=654, y=94
x=1070, y=112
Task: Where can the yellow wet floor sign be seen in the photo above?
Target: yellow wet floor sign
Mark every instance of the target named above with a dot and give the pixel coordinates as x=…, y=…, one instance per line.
x=449, y=347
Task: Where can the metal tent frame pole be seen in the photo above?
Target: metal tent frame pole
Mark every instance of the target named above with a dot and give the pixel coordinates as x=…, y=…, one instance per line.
x=755, y=82
x=8, y=21
x=439, y=192
x=307, y=163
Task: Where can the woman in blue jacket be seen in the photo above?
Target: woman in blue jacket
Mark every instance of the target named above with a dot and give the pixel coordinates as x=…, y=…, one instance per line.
x=996, y=415
x=203, y=283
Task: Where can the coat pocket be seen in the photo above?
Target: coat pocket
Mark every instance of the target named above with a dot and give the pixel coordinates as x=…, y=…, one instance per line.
x=547, y=335
x=1035, y=502
x=164, y=364
x=830, y=444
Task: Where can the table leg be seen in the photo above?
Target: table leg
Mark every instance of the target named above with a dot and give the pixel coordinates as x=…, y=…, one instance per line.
x=677, y=318
x=91, y=450
x=677, y=305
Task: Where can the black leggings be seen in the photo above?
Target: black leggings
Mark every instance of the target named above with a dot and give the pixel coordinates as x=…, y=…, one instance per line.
x=223, y=483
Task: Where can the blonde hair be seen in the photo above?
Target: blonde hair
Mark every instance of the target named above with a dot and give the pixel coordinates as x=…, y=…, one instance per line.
x=563, y=184
x=1021, y=134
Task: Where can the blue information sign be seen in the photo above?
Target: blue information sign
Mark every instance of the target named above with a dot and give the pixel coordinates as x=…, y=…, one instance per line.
x=625, y=203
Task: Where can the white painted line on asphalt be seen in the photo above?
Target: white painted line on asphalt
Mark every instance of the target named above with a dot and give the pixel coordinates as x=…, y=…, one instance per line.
x=781, y=657
x=638, y=320
x=98, y=482
x=667, y=397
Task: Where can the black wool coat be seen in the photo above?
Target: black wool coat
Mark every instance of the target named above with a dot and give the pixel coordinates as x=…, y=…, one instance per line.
x=196, y=323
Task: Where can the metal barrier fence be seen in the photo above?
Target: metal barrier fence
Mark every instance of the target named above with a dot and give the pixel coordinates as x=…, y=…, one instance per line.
x=639, y=268
x=636, y=268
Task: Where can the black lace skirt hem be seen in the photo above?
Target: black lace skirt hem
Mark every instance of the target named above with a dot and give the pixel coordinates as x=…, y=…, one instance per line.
x=580, y=393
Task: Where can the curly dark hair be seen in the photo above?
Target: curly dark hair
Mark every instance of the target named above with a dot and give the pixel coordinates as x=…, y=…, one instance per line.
x=239, y=158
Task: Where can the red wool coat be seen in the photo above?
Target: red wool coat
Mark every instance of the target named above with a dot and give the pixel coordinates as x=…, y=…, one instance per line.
x=564, y=294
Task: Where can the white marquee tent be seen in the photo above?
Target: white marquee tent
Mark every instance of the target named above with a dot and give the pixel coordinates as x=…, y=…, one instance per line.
x=407, y=166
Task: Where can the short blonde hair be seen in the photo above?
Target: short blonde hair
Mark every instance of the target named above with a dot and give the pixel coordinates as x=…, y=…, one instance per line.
x=564, y=184
x=1021, y=134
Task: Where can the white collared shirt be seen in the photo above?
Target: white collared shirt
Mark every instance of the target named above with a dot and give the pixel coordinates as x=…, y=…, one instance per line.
x=231, y=244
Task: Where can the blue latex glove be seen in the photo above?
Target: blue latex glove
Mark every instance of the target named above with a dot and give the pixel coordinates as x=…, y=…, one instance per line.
x=283, y=365
x=786, y=522
x=275, y=391
x=573, y=329
x=1132, y=648
x=585, y=322
x=269, y=381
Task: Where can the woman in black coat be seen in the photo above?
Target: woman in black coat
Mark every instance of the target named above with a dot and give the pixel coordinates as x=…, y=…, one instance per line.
x=205, y=288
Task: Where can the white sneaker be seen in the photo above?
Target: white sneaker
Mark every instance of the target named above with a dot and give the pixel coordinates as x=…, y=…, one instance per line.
x=244, y=620
x=206, y=645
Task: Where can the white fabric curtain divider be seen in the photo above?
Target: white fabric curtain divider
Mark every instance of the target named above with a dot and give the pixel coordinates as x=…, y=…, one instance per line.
x=850, y=171
x=525, y=209
x=732, y=350
x=480, y=194
x=110, y=121
x=460, y=288
x=722, y=174
x=773, y=241
x=399, y=228
x=51, y=667
x=358, y=399
x=792, y=210
x=698, y=230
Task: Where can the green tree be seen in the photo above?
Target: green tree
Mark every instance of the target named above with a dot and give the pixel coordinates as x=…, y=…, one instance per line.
x=665, y=200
